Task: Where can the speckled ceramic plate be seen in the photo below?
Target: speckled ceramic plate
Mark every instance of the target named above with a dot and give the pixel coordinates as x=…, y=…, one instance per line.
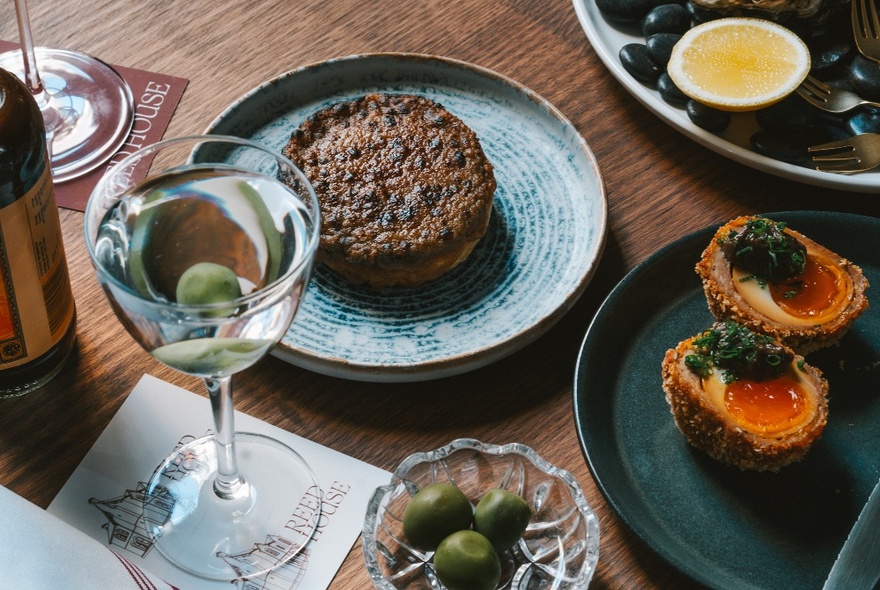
x=607, y=39
x=544, y=241
x=726, y=528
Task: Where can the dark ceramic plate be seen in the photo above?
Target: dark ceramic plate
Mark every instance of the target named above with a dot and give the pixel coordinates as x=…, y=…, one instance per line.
x=724, y=527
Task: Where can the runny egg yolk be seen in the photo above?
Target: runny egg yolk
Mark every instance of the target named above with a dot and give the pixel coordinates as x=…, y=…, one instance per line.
x=814, y=292
x=818, y=295
x=767, y=407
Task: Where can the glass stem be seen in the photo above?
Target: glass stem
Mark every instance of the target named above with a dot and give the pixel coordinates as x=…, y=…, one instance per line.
x=229, y=483
x=31, y=75
x=32, y=80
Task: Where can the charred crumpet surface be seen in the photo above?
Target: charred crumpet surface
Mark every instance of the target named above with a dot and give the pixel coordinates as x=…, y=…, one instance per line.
x=404, y=187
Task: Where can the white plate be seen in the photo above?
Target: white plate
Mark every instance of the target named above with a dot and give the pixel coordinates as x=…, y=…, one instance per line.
x=607, y=38
x=544, y=241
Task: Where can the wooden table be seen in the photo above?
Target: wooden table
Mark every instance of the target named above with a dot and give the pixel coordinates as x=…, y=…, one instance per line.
x=660, y=186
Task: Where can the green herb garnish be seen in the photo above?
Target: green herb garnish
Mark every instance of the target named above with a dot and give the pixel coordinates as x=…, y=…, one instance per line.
x=738, y=353
x=765, y=250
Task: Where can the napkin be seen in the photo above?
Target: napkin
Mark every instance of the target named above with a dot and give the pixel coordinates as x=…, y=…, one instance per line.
x=39, y=551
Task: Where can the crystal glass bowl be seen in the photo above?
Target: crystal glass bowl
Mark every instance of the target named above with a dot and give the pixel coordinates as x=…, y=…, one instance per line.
x=559, y=549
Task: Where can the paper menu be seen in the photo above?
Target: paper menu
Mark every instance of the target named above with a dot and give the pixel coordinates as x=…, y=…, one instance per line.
x=102, y=498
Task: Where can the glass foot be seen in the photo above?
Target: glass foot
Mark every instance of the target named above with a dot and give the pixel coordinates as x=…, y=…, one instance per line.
x=88, y=108
x=263, y=526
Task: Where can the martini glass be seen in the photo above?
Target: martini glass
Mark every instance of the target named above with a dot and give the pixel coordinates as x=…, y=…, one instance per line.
x=87, y=107
x=204, y=261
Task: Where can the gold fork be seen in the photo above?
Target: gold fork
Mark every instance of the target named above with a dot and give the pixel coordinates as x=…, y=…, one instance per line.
x=831, y=99
x=854, y=154
x=866, y=28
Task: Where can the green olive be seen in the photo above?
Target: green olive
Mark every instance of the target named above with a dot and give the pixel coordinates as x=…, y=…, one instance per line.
x=436, y=511
x=502, y=517
x=207, y=282
x=466, y=560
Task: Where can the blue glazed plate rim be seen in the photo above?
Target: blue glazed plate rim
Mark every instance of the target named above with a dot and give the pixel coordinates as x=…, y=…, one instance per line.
x=269, y=112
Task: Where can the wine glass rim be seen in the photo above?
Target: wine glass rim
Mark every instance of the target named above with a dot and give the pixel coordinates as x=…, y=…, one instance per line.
x=312, y=236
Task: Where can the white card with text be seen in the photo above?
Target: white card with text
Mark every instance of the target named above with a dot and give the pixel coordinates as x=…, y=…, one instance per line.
x=104, y=496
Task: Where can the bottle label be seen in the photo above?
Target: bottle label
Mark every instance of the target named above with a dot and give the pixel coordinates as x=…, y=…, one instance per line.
x=36, y=303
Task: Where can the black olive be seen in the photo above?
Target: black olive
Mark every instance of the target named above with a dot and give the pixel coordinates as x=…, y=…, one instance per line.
x=792, y=113
x=660, y=46
x=792, y=147
x=864, y=75
x=782, y=146
x=670, y=92
x=823, y=133
x=864, y=122
x=666, y=18
x=624, y=11
x=829, y=56
x=635, y=59
x=706, y=117
x=701, y=15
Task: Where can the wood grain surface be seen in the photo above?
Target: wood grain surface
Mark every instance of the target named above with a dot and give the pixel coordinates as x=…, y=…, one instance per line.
x=660, y=186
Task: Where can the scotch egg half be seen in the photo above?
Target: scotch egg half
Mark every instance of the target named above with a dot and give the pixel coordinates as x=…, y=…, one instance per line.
x=754, y=425
x=805, y=312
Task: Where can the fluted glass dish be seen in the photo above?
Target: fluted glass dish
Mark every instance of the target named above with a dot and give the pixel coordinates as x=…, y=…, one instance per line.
x=558, y=551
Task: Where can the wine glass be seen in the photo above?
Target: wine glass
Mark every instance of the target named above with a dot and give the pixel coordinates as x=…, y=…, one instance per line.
x=87, y=106
x=205, y=261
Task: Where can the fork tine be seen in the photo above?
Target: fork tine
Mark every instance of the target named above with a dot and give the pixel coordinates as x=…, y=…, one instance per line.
x=836, y=156
x=815, y=86
x=858, y=20
x=839, y=164
x=842, y=164
x=840, y=170
x=817, y=100
x=854, y=154
x=866, y=28
x=870, y=20
x=841, y=167
x=814, y=92
x=875, y=19
x=837, y=160
x=810, y=96
x=833, y=146
x=862, y=21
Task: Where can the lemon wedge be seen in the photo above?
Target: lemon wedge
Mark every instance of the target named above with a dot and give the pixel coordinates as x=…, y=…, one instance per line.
x=739, y=64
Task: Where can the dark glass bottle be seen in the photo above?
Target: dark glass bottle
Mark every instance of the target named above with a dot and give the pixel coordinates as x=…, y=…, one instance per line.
x=37, y=312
